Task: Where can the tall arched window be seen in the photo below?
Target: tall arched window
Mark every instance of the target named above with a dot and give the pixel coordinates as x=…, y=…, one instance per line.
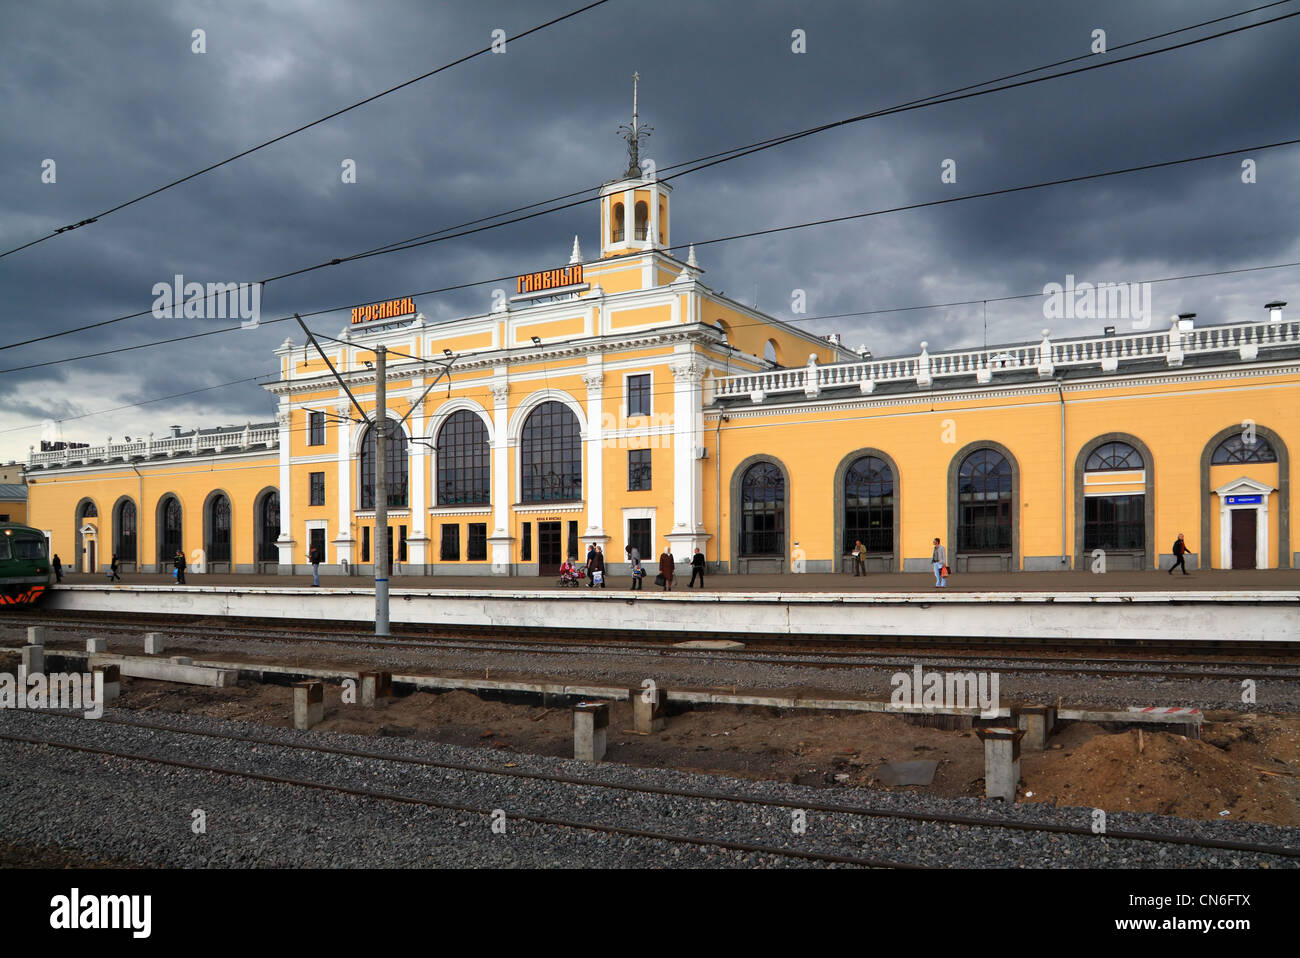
x=869, y=505
x=551, y=455
x=762, y=511
x=1114, y=522
x=642, y=214
x=270, y=521
x=169, y=532
x=218, y=544
x=1236, y=449
x=984, y=520
x=464, y=461
x=616, y=233
x=124, y=544
x=397, y=461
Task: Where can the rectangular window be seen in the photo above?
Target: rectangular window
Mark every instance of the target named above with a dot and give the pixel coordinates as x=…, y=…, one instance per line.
x=476, y=544
x=573, y=539
x=526, y=550
x=317, y=489
x=4, y=517
x=365, y=543
x=450, y=543
x=638, y=469
x=401, y=543
x=638, y=395
x=1114, y=522
x=315, y=429
x=638, y=537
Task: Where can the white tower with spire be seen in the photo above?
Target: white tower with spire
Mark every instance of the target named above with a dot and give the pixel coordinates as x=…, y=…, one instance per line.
x=634, y=208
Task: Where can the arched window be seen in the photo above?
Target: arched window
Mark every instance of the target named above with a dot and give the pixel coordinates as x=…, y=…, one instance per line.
x=1237, y=449
x=616, y=236
x=551, y=455
x=642, y=213
x=1114, y=457
x=769, y=352
x=984, y=520
x=124, y=532
x=762, y=511
x=869, y=505
x=464, y=461
x=269, y=518
x=721, y=327
x=169, y=538
x=218, y=544
x=1114, y=522
x=397, y=473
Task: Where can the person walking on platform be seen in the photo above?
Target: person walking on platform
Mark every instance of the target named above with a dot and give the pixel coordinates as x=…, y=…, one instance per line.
x=697, y=569
x=666, y=567
x=178, y=563
x=58, y=568
x=314, y=558
x=859, y=567
x=638, y=572
x=939, y=560
x=112, y=571
x=595, y=564
x=1180, y=550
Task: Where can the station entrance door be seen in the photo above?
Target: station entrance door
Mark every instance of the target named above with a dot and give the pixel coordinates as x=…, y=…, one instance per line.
x=549, y=546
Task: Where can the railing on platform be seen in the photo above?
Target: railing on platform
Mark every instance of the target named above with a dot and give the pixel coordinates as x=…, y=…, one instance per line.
x=1107, y=353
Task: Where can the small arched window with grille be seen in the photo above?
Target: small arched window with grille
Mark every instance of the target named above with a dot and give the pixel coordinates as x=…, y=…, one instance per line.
x=1114, y=457
x=1238, y=449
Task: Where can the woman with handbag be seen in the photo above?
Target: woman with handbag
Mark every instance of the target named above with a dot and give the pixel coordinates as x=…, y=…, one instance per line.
x=939, y=559
x=665, y=577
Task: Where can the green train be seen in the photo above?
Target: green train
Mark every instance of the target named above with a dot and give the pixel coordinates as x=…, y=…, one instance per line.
x=25, y=574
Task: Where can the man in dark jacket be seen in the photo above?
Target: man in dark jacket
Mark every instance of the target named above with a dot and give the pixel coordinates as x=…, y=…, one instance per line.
x=112, y=571
x=314, y=558
x=58, y=568
x=1180, y=550
x=178, y=563
x=697, y=569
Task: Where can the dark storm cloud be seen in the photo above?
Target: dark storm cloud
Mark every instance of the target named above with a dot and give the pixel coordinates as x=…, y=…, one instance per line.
x=115, y=96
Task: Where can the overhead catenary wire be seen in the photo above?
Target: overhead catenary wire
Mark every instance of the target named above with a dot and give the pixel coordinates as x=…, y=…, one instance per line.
x=708, y=242
x=715, y=159
x=306, y=126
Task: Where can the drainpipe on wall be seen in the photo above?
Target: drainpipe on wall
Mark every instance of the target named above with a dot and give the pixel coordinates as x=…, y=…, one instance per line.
x=139, y=511
x=1065, y=554
x=717, y=482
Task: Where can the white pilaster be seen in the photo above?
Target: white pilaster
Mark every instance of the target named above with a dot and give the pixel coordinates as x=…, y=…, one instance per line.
x=416, y=541
x=343, y=541
x=593, y=486
x=500, y=540
x=688, y=423
x=285, y=542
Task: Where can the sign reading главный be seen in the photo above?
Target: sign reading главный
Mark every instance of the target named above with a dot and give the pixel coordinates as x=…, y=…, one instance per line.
x=387, y=310
x=550, y=279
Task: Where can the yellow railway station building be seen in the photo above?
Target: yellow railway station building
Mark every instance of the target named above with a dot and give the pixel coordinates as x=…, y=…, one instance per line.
x=622, y=401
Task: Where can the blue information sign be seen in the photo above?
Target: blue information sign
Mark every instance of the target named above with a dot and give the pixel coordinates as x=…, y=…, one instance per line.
x=1245, y=500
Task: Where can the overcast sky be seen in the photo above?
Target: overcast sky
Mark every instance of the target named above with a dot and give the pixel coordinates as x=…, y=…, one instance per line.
x=114, y=95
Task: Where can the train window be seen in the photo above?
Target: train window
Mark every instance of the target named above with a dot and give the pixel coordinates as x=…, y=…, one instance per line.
x=4, y=547
x=27, y=547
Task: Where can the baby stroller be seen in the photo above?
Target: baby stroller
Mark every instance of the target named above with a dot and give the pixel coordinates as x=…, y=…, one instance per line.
x=571, y=574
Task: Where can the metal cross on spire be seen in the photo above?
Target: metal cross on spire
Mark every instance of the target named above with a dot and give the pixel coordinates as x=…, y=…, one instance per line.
x=635, y=133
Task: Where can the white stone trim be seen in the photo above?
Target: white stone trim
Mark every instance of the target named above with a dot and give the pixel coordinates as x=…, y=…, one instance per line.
x=1243, y=487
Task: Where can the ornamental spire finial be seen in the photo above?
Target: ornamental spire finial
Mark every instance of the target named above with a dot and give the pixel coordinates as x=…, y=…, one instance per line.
x=635, y=133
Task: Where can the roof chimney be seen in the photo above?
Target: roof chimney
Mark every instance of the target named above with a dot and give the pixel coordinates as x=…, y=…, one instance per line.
x=176, y=431
x=1274, y=311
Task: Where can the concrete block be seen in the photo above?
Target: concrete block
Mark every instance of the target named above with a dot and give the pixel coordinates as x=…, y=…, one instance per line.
x=1037, y=722
x=36, y=635
x=376, y=689
x=112, y=681
x=153, y=643
x=97, y=645
x=648, y=714
x=142, y=668
x=34, y=659
x=181, y=660
x=590, y=726
x=1001, y=761
x=308, y=704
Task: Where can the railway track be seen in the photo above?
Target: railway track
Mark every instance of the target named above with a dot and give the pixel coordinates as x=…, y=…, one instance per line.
x=828, y=656
x=1284, y=854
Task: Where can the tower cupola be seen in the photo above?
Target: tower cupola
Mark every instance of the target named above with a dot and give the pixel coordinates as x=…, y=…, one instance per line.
x=634, y=208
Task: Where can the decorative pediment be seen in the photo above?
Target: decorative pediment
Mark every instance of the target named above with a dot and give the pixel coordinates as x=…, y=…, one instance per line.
x=1244, y=486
